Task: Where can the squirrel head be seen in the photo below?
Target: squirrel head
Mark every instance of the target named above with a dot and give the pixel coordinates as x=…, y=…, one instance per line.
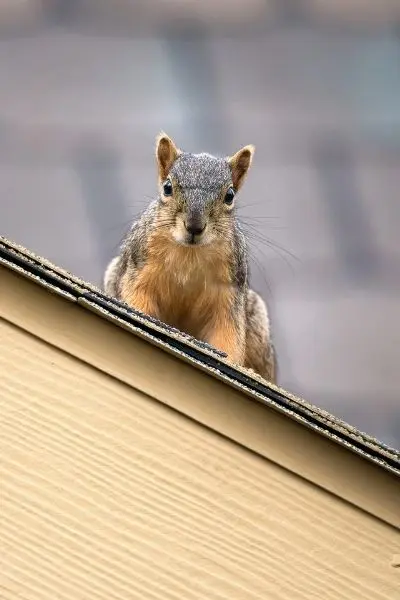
x=197, y=192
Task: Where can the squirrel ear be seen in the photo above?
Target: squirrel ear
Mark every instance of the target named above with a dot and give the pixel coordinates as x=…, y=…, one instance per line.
x=166, y=153
x=240, y=164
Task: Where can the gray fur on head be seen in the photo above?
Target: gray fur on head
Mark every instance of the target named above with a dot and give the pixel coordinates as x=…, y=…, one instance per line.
x=202, y=172
x=201, y=178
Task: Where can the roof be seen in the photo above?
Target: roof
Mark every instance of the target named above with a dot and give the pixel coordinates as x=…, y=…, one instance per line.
x=199, y=354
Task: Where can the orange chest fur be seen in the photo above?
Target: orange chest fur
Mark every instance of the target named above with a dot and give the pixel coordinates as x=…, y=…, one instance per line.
x=190, y=286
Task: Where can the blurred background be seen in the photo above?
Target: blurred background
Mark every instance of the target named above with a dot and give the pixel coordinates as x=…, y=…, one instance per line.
x=315, y=84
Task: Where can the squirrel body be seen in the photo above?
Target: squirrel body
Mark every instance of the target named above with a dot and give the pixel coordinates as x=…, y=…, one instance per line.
x=184, y=261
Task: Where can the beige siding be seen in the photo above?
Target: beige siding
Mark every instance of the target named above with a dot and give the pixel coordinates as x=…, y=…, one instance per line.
x=107, y=493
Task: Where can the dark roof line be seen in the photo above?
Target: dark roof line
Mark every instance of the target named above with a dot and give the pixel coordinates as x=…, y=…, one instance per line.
x=59, y=281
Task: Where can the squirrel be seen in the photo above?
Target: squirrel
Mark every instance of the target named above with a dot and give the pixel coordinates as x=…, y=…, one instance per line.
x=185, y=260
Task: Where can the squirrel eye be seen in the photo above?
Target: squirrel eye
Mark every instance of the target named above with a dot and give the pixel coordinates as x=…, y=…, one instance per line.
x=167, y=188
x=229, y=196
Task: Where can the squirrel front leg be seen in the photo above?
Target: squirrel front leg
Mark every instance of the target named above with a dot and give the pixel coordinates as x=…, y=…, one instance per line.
x=142, y=301
x=139, y=298
x=226, y=334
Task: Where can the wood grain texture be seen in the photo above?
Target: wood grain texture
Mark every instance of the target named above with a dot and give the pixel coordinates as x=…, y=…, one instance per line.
x=108, y=494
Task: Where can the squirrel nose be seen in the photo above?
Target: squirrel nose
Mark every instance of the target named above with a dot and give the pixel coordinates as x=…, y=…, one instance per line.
x=195, y=228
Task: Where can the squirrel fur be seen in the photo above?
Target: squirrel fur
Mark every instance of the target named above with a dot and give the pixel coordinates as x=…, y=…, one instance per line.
x=185, y=260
